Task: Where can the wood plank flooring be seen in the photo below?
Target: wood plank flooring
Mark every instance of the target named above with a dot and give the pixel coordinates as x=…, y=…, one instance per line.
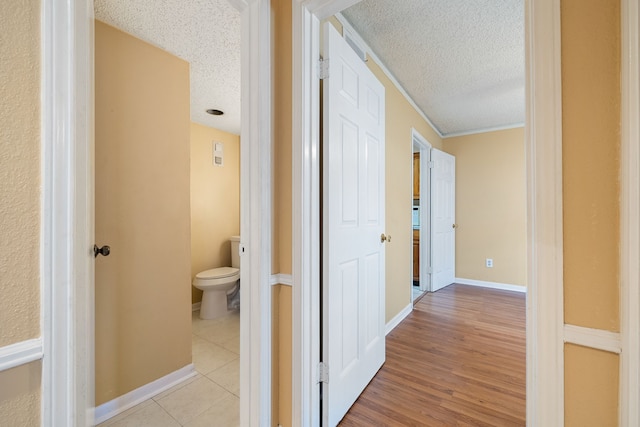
x=457, y=360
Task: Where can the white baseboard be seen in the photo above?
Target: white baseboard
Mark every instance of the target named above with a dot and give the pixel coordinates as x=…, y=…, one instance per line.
x=20, y=353
x=281, y=279
x=492, y=285
x=398, y=318
x=120, y=404
x=196, y=306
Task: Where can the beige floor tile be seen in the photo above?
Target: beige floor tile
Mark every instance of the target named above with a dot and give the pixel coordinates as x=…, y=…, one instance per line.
x=149, y=415
x=232, y=345
x=207, y=356
x=197, y=324
x=223, y=413
x=126, y=413
x=177, y=387
x=192, y=400
x=228, y=377
x=220, y=332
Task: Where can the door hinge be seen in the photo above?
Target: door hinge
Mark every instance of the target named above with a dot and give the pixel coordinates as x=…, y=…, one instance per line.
x=323, y=68
x=430, y=270
x=323, y=372
x=431, y=164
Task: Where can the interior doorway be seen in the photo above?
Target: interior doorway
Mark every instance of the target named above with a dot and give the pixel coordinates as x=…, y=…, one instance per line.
x=421, y=216
x=543, y=138
x=166, y=178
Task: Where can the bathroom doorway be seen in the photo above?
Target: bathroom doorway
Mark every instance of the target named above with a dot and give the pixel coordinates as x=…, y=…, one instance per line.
x=150, y=163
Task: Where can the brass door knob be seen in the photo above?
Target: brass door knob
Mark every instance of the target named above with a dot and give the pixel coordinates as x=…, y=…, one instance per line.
x=454, y=226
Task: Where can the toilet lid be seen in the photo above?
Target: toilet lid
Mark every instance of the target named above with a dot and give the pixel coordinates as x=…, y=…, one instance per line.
x=217, y=273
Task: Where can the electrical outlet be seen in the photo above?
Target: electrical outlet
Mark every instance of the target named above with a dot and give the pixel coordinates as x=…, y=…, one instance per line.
x=489, y=262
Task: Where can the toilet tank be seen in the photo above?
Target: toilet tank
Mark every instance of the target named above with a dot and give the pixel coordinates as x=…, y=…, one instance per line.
x=235, y=252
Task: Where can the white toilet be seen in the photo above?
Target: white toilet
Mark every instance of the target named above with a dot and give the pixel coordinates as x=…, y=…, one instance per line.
x=217, y=283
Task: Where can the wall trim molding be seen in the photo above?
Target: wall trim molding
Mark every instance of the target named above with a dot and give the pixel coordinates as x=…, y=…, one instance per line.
x=120, y=404
x=20, y=353
x=629, y=412
x=593, y=338
x=398, y=318
x=281, y=279
x=483, y=130
x=491, y=285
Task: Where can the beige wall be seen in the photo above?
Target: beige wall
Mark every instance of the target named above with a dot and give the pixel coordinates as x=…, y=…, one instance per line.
x=143, y=292
x=491, y=206
x=281, y=99
x=20, y=395
x=215, y=200
x=282, y=136
x=285, y=356
x=20, y=204
x=591, y=151
x=591, y=387
x=19, y=171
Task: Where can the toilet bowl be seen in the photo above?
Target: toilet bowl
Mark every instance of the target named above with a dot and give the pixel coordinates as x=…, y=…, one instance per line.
x=217, y=283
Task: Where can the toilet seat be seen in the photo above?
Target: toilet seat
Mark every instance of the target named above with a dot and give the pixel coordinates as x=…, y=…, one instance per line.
x=217, y=273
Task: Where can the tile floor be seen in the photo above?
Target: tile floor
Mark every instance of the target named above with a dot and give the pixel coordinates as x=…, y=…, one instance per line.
x=212, y=397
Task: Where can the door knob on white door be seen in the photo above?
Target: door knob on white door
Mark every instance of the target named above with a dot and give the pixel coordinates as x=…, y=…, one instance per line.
x=385, y=238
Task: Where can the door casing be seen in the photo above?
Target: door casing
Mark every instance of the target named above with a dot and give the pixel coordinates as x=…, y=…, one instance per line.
x=425, y=209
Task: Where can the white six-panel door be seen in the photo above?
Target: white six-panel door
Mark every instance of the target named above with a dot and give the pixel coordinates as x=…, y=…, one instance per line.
x=353, y=217
x=443, y=218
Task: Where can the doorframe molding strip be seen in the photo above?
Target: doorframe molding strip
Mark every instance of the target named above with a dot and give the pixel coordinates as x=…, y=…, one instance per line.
x=629, y=391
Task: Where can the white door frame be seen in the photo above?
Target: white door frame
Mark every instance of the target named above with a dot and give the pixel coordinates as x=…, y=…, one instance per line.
x=545, y=390
x=425, y=209
x=630, y=216
x=68, y=379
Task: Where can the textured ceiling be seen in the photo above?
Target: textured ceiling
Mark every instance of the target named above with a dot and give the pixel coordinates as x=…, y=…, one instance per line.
x=205, y=33
x=461, y=61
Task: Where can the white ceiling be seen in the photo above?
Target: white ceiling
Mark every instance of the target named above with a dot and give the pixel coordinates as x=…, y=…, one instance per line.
x=461, y=61
x=205, y=33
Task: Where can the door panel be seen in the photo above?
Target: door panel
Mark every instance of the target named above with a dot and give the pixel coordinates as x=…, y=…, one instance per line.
x=443, y=197
x=353, y=210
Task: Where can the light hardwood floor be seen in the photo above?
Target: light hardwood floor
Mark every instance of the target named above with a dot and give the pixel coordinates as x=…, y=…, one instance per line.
x=457, y=360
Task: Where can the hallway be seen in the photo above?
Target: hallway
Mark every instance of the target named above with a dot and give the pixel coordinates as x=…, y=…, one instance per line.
x=457, y=359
